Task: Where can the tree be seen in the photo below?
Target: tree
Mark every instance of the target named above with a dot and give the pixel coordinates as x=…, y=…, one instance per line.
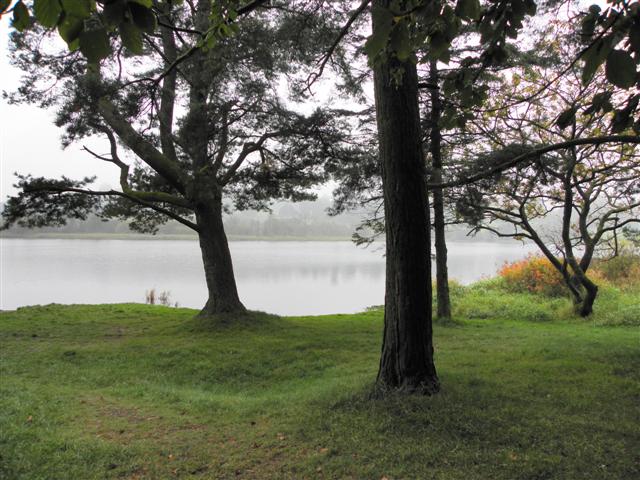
x=202, y=122
x=592, y=188
x=435, y=149
x=399, y=29
x=407, y=352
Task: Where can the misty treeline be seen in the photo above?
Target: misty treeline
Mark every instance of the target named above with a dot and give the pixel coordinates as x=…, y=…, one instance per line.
x=484, y=113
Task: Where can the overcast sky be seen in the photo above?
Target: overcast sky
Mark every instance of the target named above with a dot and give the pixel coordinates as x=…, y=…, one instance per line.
x=30, y=142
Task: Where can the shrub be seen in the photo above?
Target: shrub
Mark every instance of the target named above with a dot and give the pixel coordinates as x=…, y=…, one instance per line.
x=622, y=271
x=534, y=274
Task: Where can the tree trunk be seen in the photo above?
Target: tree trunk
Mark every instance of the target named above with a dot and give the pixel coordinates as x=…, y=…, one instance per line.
x=442, y=273
x=218, y=268
x=586, y=308
x=406, y=361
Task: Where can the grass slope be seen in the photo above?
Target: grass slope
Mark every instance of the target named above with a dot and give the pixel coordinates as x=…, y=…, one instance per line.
x=132, y=391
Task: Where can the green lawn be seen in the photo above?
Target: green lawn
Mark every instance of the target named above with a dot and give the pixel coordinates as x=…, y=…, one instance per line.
x=133, y=391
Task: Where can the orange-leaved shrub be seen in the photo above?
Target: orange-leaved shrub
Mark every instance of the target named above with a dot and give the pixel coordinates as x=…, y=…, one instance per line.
x=534, y=274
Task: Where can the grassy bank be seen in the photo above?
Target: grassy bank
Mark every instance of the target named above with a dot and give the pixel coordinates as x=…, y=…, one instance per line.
x=132, y=391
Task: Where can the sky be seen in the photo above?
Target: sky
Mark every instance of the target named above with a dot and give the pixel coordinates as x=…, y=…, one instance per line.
x=30, y=142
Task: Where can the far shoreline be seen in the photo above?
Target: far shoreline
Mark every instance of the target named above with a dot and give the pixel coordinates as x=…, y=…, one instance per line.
x=189, y=237
x=167, y=236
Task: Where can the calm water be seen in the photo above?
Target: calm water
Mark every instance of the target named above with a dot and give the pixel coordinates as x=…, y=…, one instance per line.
x=287, y=278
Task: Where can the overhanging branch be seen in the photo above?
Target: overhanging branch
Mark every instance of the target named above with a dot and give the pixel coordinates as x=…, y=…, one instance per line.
x=536, y=153
x=115, y=193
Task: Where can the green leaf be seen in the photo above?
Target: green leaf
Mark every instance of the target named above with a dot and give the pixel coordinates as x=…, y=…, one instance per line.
x=4, y=5
x=70, y=27
x=376, y=43
x=620, y=121
x=601, y=101
x=94, y=44
x=113, y=13
x=144, y=3
x=21, y=18
x=438, y=46
x=593, y=58
x=566, y=118
x=78, y=8
x=634, y=37
x=131, y=37
x=400, y=42
x=74, y=45
x=468, y=9
x=143, y=17
x=47, y=12
x=530, y=7
x=621, y=69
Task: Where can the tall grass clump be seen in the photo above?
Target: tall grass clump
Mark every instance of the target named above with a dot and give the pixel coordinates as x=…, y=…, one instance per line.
x=623, y=271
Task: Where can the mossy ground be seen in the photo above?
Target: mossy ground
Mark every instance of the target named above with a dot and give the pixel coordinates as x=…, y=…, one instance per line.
x=133, y=391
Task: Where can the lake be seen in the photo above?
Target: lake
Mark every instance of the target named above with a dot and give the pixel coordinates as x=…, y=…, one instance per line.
x=286, y=278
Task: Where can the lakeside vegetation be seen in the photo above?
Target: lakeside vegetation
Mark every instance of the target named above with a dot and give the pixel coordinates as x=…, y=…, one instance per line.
x=529, y=391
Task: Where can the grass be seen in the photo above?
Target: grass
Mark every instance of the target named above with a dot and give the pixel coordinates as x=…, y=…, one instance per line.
x=488, y=299
x=134, y=391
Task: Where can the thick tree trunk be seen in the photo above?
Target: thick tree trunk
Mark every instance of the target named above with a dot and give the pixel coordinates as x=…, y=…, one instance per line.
x=584, y=304
x=406, y=361
x=586, y=308
x=442, y=273
x=218, y=268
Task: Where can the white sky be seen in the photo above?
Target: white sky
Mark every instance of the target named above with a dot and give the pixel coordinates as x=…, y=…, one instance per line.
x=30, y=142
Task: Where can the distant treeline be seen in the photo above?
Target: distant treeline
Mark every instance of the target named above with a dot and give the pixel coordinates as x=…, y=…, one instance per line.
x=286, y=219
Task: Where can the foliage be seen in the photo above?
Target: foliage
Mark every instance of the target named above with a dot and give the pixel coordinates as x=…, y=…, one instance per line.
x=633, y=236
x=493, y=298
x=249, y=141
x=565, y=199
x=87, y=25
x=128, y=391
x=622, y=270
x=534, y=274
x=612, y=37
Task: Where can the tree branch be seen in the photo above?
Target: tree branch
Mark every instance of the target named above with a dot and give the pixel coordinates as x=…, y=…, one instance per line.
x=536, y=153
x=314, y=76
x=115, y=193
x=162, y=164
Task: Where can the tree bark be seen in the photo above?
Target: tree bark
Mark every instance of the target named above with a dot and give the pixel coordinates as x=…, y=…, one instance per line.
x=442, y=273
x=218, y=267
x=585, y=307
x=406, y=362
x=591, y=291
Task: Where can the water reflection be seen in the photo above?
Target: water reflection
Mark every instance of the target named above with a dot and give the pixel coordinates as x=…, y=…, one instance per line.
x=288, y=278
